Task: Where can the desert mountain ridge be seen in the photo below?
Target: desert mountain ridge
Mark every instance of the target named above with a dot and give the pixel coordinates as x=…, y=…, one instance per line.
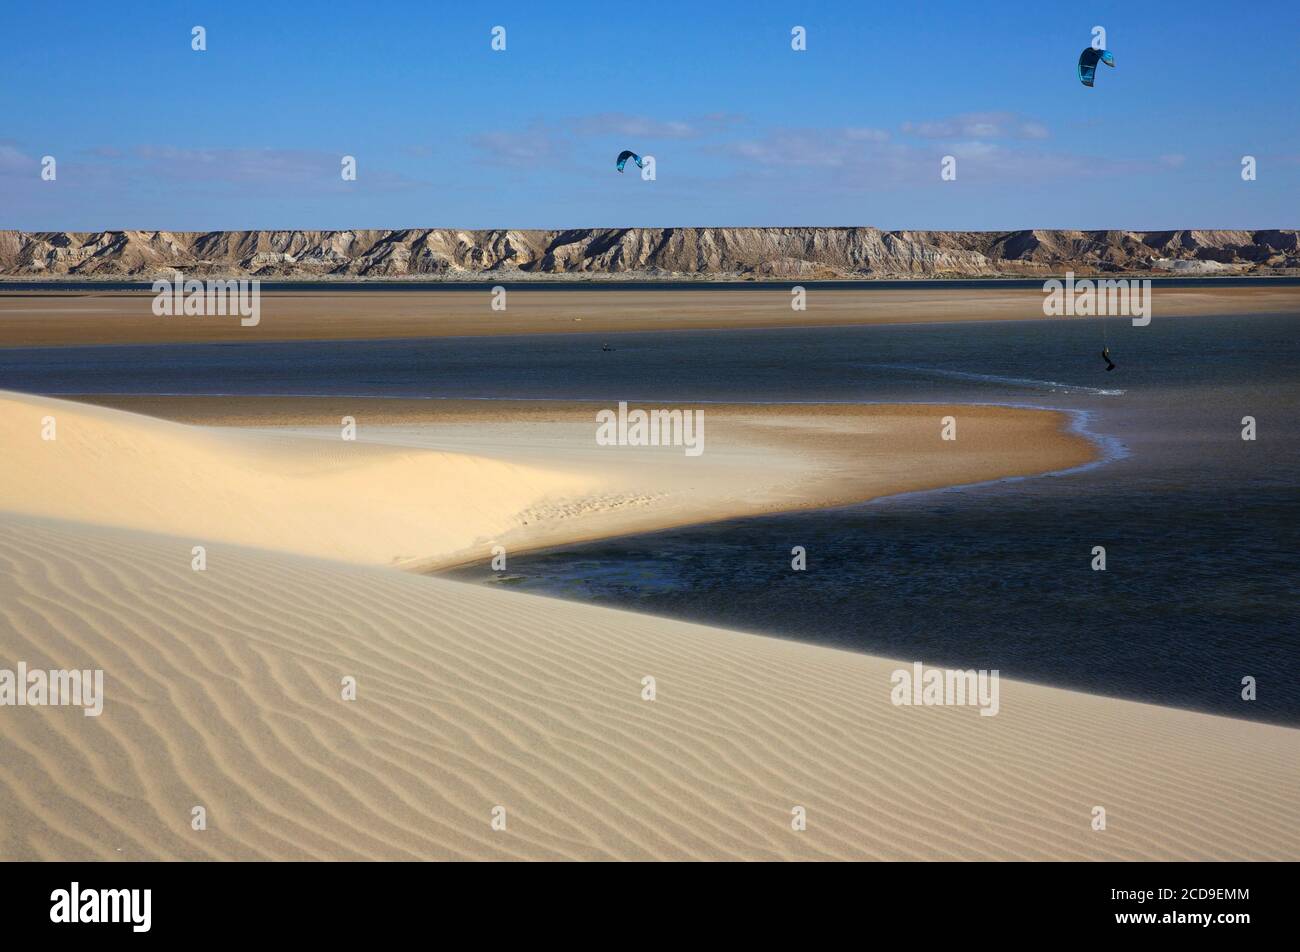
x=645, y=253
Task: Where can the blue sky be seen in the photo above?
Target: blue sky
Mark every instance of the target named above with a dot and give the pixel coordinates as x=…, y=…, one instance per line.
x=446, y=132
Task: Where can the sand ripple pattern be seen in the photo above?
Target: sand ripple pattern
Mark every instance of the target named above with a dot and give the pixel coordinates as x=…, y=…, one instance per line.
x=223, y=690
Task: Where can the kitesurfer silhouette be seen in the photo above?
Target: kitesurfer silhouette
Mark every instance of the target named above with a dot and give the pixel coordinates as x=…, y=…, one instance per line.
x=1105, y=355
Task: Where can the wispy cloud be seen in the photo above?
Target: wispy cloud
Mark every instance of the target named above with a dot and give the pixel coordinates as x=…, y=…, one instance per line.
x=240, y=166
x=623, y=124
x=868, y=159
x=979, y=125
x=561, y=137
x=15, y=162
x=824, y=148
x=302, y=171
x=537, y=143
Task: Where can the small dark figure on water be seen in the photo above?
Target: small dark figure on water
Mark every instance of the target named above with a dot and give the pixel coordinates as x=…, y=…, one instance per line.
x=606, y=347
x=1105, y=355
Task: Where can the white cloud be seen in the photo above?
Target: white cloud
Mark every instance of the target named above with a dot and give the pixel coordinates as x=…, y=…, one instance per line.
x=14, y=162
x=828, y=148
x=979, y=125
x=617, y=123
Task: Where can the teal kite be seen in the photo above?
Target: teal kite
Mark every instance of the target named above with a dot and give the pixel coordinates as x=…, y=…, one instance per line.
x=628, y=154
x=1088, y=63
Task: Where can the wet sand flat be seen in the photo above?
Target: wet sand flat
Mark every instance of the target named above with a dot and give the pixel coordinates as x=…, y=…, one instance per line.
x=50, y=319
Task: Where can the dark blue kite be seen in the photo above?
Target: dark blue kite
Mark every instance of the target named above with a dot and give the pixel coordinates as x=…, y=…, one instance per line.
x=625, y=155
x=1088, y=63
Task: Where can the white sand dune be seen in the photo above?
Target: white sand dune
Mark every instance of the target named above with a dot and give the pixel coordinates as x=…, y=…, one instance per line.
x=400, y=496
x=356, y=501
x=223, y=686
x=223, y=690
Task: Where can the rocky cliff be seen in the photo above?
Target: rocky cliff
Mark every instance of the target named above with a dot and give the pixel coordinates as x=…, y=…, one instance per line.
x=646, y=253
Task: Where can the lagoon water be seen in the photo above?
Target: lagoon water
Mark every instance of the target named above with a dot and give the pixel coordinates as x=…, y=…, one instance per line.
x=1201, y=527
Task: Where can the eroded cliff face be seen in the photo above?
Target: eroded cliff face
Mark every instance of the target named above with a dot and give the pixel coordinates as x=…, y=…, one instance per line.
x=719, y=253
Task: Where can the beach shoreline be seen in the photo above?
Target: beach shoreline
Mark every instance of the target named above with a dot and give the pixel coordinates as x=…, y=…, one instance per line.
x=304, y=413
x=556, y=486
x=222, y=681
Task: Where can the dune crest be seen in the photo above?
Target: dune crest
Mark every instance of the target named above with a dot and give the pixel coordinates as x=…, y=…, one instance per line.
x=223, y=685
x=223, y=690
x=356, y=501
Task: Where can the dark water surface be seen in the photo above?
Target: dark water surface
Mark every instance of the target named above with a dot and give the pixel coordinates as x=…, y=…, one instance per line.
x=1201, y=528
